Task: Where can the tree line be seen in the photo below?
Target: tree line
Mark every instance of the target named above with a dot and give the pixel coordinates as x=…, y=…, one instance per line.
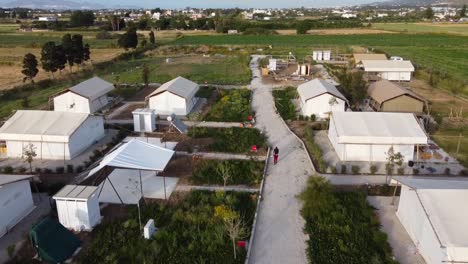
x=55, y=57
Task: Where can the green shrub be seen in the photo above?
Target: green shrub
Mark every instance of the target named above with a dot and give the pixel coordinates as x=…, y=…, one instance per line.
x=314, y=150
x=21, y=169
x=415, y=171
x=355, y=169
x=233, y=106
x=37, y=170
x=245, y=172
x=343, y=169
x=373, y=169
x=11, y=250
x=401, y=171
x=333, y=170
x=284, y=104
x=313, y=118
x=70, y=168
x=8, y=170
x=205, y=92
x=60, y=170
x=79, y=169
x=447, y=171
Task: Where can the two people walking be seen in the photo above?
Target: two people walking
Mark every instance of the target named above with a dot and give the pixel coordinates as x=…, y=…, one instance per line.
x=275, y=155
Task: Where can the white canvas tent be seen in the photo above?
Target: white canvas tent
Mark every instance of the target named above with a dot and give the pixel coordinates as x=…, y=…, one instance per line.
x=174, y=97
x=434, y=213
x=55, y=135
x=367, y=136
x=16, y=200
x=391, y=70
x=134, y=155
x=319, y=97
x=86, y=97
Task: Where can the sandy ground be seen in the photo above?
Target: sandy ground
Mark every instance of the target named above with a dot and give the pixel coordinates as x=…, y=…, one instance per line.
x=279, y=236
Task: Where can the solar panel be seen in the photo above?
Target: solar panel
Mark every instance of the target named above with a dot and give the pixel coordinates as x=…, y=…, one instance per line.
x=179, y=125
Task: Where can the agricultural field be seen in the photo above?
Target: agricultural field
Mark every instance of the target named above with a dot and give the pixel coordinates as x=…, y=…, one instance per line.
x=439, y=28
x=342, y=226
x=237, y=172
x=232, y=106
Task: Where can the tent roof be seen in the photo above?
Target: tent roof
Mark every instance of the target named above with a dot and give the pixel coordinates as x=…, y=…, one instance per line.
x=317, y=87
x=53, y=242
x=358, y=57
x=76, y=192
x=92, y=88
x=27, y=125
x=378, y=128
x=384, y=90
x=7, y=178
x=387, y=66
x=137, y=155
x=178, y=86
x=445, y=203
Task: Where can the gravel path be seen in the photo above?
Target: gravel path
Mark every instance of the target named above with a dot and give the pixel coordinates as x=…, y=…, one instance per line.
x=279, y=236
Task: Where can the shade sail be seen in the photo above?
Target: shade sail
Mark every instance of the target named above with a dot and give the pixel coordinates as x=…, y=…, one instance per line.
x=136, y=155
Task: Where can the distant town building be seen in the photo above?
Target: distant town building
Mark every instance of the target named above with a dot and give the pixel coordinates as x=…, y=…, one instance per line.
x=48, y=19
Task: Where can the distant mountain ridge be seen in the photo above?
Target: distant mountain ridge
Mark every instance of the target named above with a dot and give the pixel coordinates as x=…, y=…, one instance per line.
x=57, y=5
x=419, y=2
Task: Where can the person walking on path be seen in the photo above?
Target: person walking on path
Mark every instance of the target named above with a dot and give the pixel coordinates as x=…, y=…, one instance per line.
x=275, y=155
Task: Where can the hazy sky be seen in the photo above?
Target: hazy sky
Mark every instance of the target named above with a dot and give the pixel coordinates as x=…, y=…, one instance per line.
x=234, y=3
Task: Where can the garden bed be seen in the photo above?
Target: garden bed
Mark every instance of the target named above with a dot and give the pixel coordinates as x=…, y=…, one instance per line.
x=192, y=229
x=229, y=140
x=342, y=226
x=231, y=106
x=237, y=172
x=284, y=104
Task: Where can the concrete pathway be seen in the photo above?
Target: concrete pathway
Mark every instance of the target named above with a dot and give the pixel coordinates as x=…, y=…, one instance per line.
x=279, y=236
x=235, y=188
x=222, y=156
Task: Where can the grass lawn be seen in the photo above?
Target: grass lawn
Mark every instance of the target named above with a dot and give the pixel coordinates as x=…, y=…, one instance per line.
x=342, y=226
x=447, y=138
x=240, y=172
x=441, y=28
x=191, y=230
x=232, y=106
x=231, y=140
x=283, y=102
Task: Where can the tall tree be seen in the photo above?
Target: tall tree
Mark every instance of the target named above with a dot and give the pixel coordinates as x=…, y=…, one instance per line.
x=463, y=11
x=145, y=72
x=29, y=67
x=86, y=52
x=78, y=49
x=82, y=18
x=129, y=39
x=67, y=45
x=152, y=38
x=29, y=153
x=49, y=57
x=429, y=13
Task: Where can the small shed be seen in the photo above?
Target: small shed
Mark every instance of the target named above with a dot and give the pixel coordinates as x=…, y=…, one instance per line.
x=174, y=97
x=320, y=98
x=367, y=136
x=385, y=96
x=392, y=70
x=144, y=120
x=55, y=135
x=16, y=200
x=78, y=207
x=434, y=213
x=89, y=96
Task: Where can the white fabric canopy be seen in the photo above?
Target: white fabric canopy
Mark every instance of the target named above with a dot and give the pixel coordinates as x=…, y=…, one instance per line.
x=378, y=128
x=136, y=155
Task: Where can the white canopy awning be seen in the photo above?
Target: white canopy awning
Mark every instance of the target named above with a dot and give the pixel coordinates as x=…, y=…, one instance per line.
x=136, y=155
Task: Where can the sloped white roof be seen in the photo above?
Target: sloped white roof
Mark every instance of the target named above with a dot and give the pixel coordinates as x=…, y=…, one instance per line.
x=178, y=86
x=92, y=88
x=136, y=155
x=8, y=178
x=445, y=203
x=76, y=192
x=317, y=87
x=378, y=128
x=387, y=66
x=38, y=125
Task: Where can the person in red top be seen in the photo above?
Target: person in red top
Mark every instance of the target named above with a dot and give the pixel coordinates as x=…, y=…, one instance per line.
x=275, y=155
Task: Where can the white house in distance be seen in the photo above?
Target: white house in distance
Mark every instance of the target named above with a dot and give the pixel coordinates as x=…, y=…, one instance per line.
x=86, y=97
x=55, y=135
x=16, y=200
x=367, y=136
x=174, y=97
x=392, y=70
x=434, y=213
x=78, y=207
x=320, y=98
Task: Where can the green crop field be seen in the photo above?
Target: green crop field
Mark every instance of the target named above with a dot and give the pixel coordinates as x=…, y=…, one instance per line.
x=440, y=28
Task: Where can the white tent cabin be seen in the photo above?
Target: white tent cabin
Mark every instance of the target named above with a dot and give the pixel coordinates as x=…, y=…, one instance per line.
x=434, y=213
x=367, y=136
x=130, y=171
x=320, y=98
x=89, y=96
x=78, y=207
x=54, y=135
x=391, y=70
x=174, y=97
x=16, y=200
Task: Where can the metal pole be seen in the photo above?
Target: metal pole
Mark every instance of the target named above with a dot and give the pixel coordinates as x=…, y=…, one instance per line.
x=141, y=184
x=164, y=180
x=115, y=190
x=394, y=193
x=459, y=142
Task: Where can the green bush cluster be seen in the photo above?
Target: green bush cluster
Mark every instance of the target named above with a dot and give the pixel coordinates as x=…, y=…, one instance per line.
x=188, y=232
x=248, y=172
x=232, y=106
x=284, y=104
x=232, y=140
x=315, y=151
x=342, y=226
